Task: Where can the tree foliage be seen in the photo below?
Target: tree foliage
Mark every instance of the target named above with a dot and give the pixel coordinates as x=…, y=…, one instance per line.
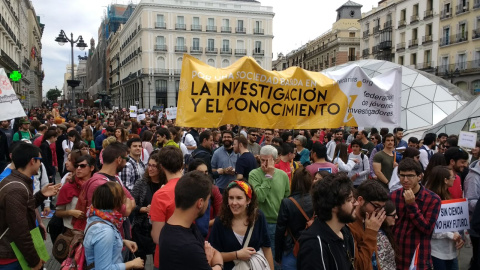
x=53, y=94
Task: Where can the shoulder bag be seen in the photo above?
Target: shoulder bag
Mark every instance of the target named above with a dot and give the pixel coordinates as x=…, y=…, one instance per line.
x=256, y=262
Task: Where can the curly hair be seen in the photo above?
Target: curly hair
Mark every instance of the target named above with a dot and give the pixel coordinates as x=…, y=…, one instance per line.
x=329, y=193
x=226, y=215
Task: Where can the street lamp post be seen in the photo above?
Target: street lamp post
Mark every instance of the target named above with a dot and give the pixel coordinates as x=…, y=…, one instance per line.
x=62, y=39
x=149, y=94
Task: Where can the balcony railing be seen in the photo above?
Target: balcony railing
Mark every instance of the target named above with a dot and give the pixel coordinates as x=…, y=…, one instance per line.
x=427, y=40
x=428, y=14
x=385, y=45
x=449, y=40
x=476, y=33
x=240, y=30
x=240, y=52
x=160, y=25
x=258, y=31
x=196, y=27
x=413, y=43
x=462, y=8
x=258, y=52
x=414, y=19
x=196, y=50
x=180, y=48
x=401, y=24
x=210, y=50
x=400, y=46
x=446, y=13
x=225, y=51
x=426, y=65
x=458, y=68
x=334, y=60
x=161, y=48
x=226, y=29
x=387, y=24
x=211, y=28
x=376, y=29
x=180, y=26
x=366, y=33
x=163, y=71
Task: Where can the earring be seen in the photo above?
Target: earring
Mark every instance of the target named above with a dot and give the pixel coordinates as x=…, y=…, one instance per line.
x=248, y=205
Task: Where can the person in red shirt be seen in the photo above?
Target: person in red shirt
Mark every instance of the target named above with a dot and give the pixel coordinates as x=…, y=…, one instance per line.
x=457, y=160
x=163, y=201
x=286, y=162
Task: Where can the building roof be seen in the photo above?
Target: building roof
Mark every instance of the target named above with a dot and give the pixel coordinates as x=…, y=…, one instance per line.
x=349, y=4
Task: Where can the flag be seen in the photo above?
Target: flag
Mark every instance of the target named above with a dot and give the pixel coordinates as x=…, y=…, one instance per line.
x=414, y=263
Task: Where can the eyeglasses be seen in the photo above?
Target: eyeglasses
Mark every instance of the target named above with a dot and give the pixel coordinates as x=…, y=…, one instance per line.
x=408, y=176
x=376, y=206
x=125, y=158
x=83, y=166
x=394, y=215
x=254, y=135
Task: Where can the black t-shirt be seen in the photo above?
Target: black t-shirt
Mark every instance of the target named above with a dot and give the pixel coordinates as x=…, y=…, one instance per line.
x=182, y=248
x=245, y=163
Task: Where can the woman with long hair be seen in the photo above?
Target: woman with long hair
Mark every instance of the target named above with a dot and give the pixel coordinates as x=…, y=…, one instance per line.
x=239, y=214
x=75, y=138
x=147, y=141
x=386, y=247
x=340, y=158
x=438, y=159
x=103, y=241
x=444, y=245
x=143, y=192
x=121, y=135
x=291, y=222
x=87, y=136
x=81, y=168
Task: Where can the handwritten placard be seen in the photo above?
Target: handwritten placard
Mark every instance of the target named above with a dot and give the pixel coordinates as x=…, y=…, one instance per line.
x=453, y=216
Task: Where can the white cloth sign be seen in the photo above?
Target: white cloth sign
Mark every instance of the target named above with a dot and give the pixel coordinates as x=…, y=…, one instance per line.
x=467, y=139
x=453, y=216
x=11, y=107
x=171, y=113
x=133, y=111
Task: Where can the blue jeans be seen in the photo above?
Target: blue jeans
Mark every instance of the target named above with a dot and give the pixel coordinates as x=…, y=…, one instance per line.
x=439, y=264
x=271, y=227
x=11, y=266
x=289, y=262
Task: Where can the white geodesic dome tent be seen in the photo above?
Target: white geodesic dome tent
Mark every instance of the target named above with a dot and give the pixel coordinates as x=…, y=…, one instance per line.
x=426, y=99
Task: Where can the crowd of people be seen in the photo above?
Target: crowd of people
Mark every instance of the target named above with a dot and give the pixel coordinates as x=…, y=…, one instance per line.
x=231, y=197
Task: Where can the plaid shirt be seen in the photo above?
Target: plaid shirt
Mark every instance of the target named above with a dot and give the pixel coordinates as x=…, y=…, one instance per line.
x=415, y=225
x=132, y=172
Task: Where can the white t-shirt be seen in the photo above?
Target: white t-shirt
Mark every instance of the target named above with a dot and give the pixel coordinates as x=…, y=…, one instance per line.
x=66, y=144
x=183, y=148
x=188, y=140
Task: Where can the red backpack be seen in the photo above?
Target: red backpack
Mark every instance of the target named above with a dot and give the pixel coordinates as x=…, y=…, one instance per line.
x=309, y=222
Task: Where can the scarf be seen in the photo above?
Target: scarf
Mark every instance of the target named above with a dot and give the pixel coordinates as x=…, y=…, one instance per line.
x=115, y=217
x=69, y=190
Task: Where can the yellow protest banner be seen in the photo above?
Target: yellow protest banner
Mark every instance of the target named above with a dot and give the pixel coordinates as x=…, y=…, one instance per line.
x=248, y=95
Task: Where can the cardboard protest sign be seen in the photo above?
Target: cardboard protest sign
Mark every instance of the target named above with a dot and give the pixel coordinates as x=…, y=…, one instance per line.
x=248, y=95
x=171, y=113
x=453, y=216
x=133, y=111
x=11, y=107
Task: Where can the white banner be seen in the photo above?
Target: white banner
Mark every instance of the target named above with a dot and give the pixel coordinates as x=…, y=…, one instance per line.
x=453, y=216
x=133, y=111
x=467, y=139
x=171, y=113
x=11, y=107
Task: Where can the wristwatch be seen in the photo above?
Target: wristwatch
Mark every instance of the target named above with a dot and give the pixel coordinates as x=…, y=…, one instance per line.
x=219, y=264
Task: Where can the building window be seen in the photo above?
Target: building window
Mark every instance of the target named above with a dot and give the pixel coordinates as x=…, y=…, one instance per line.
x=462, y=31
x=225, y=45
x=225, y=63
x=444, y=66
x=351, y=34
x=160, y=23
x=211, y=62
x=413, y=59
x=210, y=44
x=400, y=60
x=161, y=92
x=196, y=44
x=462, y=61
x=258, y=46
x=179, y=63
x=196, y=21
x=161, y=63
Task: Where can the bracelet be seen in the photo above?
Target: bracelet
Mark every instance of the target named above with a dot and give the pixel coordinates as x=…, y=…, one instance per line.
x=219, y=264
x=236, y=255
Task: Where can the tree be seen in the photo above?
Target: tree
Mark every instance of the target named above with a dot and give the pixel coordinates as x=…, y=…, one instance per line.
x=53, y=94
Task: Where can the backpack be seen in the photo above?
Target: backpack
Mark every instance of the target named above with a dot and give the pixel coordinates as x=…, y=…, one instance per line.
x=309, y=222
x=21, y=138
x=76, y=259
x=189, y=158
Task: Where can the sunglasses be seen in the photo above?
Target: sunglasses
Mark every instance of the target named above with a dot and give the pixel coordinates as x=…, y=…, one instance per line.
x=83, y=166
x=125, y=158
x=37, y=158
x=254, y=135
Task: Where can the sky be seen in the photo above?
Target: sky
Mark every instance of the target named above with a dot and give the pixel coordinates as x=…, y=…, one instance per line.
x=295, y=23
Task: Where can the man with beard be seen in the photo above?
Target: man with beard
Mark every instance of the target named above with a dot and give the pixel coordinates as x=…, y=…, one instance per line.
x=253, y=146
x=457, y=161
x=384, y=161
x=223, y=161
x=370, y=213
x=114, y=160
x=163, y=201
x=417, y=210
x=328, y=243
x=246, y=161
x=181, y=243
x=427, y=149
